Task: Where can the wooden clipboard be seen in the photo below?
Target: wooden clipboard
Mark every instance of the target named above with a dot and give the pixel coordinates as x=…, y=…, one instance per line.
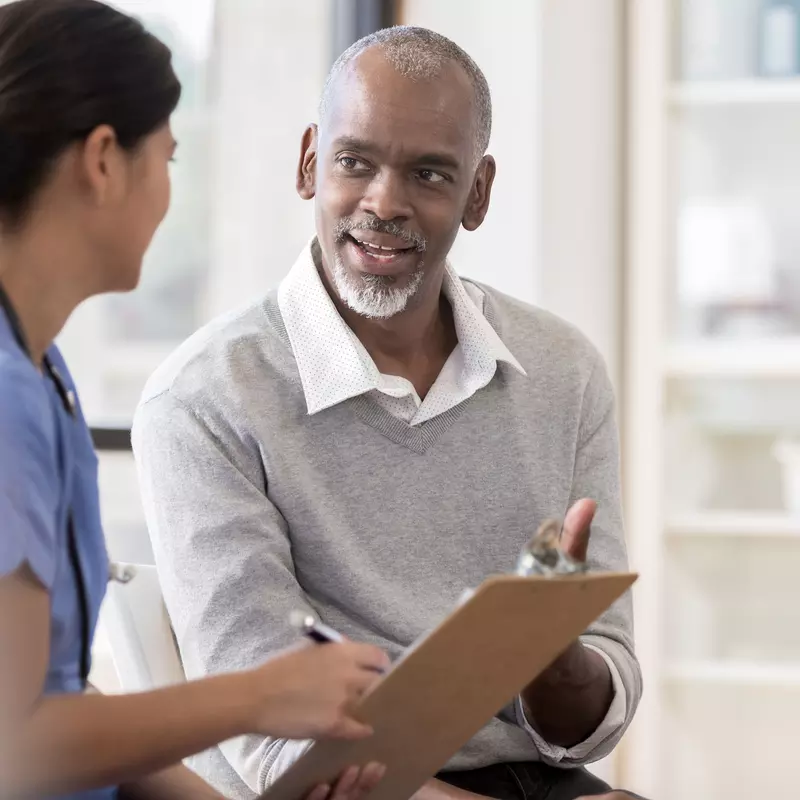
x=453, y=681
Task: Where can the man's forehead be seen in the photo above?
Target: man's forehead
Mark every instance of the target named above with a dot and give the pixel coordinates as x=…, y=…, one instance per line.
x=372, y=95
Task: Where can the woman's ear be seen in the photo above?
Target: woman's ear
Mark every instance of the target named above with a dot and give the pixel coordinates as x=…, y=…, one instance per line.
x=307, y=167
x=102, y=165
x=480, y=194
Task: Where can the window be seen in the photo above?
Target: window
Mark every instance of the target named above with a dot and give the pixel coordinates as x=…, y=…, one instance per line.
x=251, y=73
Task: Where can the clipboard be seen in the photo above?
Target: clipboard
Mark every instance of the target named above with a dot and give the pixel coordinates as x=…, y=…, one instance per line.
x=453, y=681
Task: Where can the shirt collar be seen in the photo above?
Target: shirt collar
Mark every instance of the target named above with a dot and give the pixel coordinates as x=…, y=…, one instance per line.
x=332, y=363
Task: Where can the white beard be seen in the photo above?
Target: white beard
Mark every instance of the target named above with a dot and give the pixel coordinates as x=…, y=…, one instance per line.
x=373, y=296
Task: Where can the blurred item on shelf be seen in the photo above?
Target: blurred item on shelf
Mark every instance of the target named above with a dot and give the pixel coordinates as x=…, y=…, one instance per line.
x=717, y=39
x=787, y=453
x=728, y=279
x=778, y=41
x=738, y=39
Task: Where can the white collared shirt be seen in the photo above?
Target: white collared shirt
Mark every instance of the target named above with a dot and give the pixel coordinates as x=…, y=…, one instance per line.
x=334, y=366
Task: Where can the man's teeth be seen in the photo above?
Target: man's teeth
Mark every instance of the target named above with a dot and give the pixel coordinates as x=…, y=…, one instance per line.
x=376, y=249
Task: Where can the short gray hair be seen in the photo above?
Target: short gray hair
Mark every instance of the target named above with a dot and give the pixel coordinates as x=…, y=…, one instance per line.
x=419, y=54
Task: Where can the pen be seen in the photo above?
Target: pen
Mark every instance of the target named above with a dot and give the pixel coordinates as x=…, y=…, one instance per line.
x=310, y=626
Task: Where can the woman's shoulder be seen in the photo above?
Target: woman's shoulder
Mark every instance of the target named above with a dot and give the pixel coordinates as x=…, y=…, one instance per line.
x=28, y=433
x=29, y=471
x=23, y=398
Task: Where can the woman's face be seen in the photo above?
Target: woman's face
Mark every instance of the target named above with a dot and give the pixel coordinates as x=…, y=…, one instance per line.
x=141, y=209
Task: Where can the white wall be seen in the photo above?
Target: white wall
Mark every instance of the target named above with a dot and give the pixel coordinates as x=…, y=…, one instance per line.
x=582, y=168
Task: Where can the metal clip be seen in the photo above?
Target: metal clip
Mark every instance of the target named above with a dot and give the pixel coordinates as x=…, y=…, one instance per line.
x=543, y=554
x=121, y=573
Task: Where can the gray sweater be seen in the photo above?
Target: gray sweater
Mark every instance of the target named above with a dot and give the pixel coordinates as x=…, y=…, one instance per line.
x=256, y=508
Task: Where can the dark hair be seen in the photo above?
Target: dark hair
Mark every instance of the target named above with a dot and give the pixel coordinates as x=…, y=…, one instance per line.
x=67, y=66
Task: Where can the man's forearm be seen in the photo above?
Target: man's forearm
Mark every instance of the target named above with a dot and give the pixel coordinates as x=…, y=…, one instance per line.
x=175, y=783
x=570, y=699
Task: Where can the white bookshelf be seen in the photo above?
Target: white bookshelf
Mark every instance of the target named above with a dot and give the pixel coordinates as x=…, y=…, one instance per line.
x=734, y=675
x=777, y=358
x=716, y=552
x=732, y=524
x=748, y=93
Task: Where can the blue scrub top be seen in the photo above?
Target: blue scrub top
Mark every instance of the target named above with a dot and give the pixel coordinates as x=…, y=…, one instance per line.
x=47, y=467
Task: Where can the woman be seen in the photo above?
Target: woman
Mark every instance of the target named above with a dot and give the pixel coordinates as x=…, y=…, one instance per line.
x=86, y=97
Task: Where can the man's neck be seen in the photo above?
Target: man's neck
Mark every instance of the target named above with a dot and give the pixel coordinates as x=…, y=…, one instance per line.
x=414, y=344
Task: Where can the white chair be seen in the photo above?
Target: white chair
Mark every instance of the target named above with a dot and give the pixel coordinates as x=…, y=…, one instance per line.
x=139, y=634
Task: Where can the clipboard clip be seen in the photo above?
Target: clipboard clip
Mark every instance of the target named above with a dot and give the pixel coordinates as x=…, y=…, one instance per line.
x=543, y=554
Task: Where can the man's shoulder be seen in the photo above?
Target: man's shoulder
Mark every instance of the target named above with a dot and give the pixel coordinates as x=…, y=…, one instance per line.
x=226, y=347
x=532, y=332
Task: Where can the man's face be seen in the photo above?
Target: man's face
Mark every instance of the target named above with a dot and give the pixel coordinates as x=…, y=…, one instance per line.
x=394, y=175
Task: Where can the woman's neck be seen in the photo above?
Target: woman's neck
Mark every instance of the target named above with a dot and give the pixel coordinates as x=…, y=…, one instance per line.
x=42, y=290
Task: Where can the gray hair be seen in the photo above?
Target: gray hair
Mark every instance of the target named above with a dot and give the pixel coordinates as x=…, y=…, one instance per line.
x=419, y=54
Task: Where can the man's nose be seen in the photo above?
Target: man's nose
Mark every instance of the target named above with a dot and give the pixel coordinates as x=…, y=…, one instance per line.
x=387, y=197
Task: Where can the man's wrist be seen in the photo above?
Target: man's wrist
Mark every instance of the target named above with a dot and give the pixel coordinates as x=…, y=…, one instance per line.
x=576, y=668
x=567, y=702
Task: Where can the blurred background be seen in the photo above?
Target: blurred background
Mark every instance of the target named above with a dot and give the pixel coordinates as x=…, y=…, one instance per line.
x=648, y=190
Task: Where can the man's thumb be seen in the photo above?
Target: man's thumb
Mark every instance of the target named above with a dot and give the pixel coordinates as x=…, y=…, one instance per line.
x=577, y=525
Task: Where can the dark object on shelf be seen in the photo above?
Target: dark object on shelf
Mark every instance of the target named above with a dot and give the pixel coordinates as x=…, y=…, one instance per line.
x=116, y=440
x=752, y=320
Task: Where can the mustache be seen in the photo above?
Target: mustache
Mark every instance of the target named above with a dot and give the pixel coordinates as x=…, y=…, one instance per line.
x=346, y=225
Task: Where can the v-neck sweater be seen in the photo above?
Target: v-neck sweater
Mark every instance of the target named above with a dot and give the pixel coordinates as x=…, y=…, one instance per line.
x=256, y=508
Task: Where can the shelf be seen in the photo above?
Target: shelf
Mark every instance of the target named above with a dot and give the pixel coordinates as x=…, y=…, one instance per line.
x=735, y=524
x=734, y=673
x=711, y=94
x=770, y=358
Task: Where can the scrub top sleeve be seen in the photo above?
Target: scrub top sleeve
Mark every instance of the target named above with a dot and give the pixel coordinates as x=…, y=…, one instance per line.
x=29, y=476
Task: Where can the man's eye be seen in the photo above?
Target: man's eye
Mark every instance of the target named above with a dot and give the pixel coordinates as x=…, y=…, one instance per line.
x=429, y=176
x=350, y=163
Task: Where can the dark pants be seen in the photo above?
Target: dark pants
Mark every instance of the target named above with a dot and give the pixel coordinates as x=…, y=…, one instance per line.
x=528, y=780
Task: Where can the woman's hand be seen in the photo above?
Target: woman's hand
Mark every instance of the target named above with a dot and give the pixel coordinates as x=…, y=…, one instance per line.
x=308, y=692
x=353, y=784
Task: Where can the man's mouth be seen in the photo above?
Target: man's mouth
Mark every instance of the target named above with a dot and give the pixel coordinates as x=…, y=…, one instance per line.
x=383, y=249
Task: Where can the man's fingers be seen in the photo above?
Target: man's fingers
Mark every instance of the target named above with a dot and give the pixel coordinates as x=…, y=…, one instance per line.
x=577, y=526
x=371, y=776
x=355, y=784
x=346, y=783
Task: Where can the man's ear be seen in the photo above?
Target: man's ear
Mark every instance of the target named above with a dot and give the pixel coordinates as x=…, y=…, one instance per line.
x=480, y=194
x=307, y=167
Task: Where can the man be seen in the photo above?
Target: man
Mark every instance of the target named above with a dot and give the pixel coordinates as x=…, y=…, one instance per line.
x=378, y=434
